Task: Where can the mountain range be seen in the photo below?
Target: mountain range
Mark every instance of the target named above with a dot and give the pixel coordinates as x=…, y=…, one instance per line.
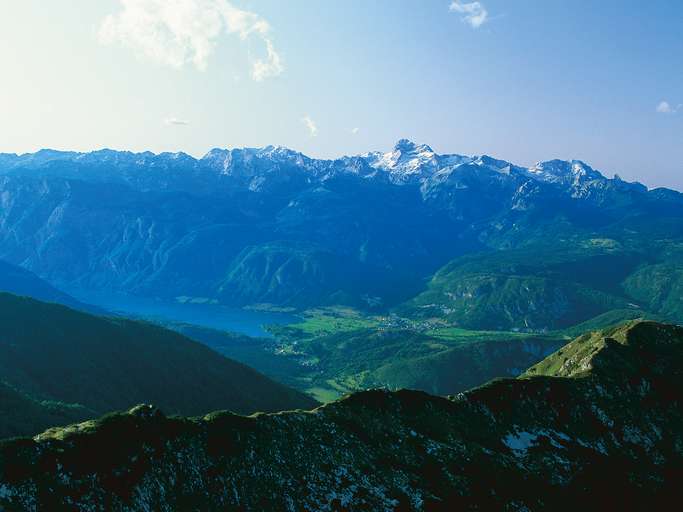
x=404, y=269
x=378, y=231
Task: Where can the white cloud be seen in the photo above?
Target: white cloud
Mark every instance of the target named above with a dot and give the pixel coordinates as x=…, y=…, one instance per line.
x=271, y=66
x=180, y=32
x=473, y=13
x=354, y=131
x=665, y=107
x=177, y=122
x=310, y=125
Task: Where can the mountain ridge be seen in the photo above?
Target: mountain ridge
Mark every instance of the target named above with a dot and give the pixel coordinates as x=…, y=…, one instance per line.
x=406, y=158
x=54, y=354
x=493, y=447
x=19, y=281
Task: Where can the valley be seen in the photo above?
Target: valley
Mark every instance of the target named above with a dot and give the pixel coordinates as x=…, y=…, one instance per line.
x=335, y=351
x=431, y=299
x=329, y=352
x=341, y=256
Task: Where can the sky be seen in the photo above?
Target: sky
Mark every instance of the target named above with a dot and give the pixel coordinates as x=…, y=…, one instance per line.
x=520, y=80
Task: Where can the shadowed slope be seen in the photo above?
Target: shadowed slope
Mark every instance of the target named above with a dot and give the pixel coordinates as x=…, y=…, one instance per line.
x=54, y=353
x=611, y=439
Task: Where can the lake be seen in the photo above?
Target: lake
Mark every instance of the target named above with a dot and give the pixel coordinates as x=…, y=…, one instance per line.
x=214, y=316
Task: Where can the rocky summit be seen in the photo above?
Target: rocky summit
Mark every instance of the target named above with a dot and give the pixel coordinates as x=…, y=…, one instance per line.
x=598, y=425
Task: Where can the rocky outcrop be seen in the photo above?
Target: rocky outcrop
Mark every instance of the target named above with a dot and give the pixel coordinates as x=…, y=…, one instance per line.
x=596, y=426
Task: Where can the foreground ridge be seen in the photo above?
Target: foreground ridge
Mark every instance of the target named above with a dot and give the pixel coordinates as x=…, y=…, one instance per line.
x=596, y=425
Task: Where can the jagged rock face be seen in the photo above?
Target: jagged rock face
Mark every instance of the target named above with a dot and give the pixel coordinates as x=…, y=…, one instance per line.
x=170, y=225
x=608, y=437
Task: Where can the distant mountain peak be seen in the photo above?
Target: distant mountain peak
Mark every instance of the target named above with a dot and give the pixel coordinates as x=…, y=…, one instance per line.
x=214, y=153
x=218, y=158
x=408, y=146
x=494, y=163
x=403, y=144
x=565, y=171
x=275, y=152
x=408, y=162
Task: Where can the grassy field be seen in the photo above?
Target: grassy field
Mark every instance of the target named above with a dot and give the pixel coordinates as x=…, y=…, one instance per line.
x=340, y=350
x=334, y=351
x=322, y=321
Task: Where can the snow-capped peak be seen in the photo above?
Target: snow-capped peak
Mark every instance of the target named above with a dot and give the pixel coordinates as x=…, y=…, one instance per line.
x=407, y=163
x=218, y=158
x=282, y=153
x=408, y=146
x=407, y=160
x=564, y=171
x=494, y=164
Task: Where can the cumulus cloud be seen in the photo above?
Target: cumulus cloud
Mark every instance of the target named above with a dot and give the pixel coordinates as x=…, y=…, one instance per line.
x=180, y=32
x=354, y=131
x=473, y=13
x=665, y=107
x=171, y=121
x=310, y=125
x=268, y=67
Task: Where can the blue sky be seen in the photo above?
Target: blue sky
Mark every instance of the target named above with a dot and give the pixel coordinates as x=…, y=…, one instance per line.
x=521, y=80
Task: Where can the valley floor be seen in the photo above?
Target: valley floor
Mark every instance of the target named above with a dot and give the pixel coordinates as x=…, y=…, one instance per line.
x=334, y=351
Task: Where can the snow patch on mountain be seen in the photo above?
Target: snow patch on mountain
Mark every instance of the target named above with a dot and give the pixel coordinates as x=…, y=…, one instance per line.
x=407, y=163
x=407, y=160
